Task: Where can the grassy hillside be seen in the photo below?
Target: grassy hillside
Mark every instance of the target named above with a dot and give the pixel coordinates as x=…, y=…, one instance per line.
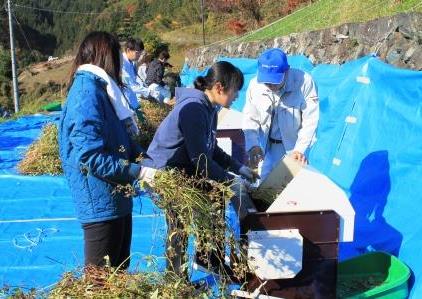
x=330, y=13
x=184, y=32
x=189, y=37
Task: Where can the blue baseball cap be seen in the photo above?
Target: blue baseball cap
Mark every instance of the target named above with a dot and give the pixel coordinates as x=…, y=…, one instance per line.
x=272, y=64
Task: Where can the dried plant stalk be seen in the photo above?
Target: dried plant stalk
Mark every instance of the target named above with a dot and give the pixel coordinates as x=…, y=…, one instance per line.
x=42, y=156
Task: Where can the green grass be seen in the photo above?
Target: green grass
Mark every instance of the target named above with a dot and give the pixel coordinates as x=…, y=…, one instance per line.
x=2, y=119
x=330, y=13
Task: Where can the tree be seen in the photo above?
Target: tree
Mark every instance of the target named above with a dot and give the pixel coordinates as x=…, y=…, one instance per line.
x=52, y=31
x=4, y=28
x=252, y=8
x=5, y=65
x=5, y=79
x=293, y=5
x=221, y=6
x=153, y=43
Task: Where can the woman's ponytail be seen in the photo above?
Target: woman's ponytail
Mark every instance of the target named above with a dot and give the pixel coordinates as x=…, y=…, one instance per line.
x=200, y=83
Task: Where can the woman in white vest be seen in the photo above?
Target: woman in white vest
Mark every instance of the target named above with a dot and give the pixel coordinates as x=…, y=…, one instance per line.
x=281, y=112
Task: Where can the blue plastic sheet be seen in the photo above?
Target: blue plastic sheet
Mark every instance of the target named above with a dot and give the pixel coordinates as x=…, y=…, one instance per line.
x=16, y=136
x=40, y=237
x=368, y=143
x=369, y=137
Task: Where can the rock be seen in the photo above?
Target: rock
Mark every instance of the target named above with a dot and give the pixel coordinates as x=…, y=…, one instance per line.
x=396, y=39
x=393, y=56
x=341, y=36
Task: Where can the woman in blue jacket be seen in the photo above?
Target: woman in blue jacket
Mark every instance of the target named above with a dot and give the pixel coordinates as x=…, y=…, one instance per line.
x=97, y=151
x=186, y=140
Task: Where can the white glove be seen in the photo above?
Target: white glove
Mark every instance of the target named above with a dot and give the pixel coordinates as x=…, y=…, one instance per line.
x=248, y=173
x=242, y=202
x=147, y=175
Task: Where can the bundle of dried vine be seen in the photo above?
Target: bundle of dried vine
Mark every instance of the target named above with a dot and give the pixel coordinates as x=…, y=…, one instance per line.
x=42, y=157
x=106, y=282
x=197, y=207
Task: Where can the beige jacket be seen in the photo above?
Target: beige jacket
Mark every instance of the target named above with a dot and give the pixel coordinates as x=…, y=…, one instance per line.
x=297, y=112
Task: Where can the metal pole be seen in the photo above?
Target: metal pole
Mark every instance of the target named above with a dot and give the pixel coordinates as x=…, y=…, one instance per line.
x=203, y=20
x=12, y=54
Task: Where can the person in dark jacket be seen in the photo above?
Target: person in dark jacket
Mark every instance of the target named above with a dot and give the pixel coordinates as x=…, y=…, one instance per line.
x=186, y=140
x=154, y=78
x=97, y=151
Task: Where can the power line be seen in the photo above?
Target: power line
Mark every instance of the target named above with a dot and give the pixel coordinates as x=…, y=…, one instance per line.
x=68, y=12
x=23, y=33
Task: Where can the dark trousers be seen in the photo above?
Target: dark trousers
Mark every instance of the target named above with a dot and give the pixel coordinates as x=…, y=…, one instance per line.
x=108, y=238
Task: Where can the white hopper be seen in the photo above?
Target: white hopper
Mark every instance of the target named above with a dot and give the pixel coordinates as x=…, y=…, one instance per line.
x=298, y=188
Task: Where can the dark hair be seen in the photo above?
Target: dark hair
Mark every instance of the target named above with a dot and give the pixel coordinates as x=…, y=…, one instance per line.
x=147, y=58
x=224, y=72
x=134, y=44
x=164, y=54
x=101, y=49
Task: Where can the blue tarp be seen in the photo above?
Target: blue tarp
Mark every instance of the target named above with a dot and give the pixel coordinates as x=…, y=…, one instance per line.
x=368, y=143
x=369, y=137
x=40, y=238
x=39, y=235
x=16, y=136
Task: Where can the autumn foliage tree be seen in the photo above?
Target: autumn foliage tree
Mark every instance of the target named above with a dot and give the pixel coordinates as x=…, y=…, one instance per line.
x=221, y=6
x=292, y=5
x=252, y=9
x=237, y=27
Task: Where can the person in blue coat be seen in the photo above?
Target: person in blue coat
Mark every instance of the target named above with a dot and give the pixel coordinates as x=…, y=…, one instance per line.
x=97, y=152
x=133, y=50
x=186, y=140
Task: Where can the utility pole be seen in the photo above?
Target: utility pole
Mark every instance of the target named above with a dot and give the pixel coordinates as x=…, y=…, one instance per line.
x=12, y=54
x=203, y=20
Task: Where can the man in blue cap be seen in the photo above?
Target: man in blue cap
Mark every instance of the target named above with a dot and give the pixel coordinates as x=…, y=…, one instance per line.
x=281, y=112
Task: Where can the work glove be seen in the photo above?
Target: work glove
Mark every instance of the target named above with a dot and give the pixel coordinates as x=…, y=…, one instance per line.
x=248, y=174
x=242, y=203
x=146, y=178
x=256, y=155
